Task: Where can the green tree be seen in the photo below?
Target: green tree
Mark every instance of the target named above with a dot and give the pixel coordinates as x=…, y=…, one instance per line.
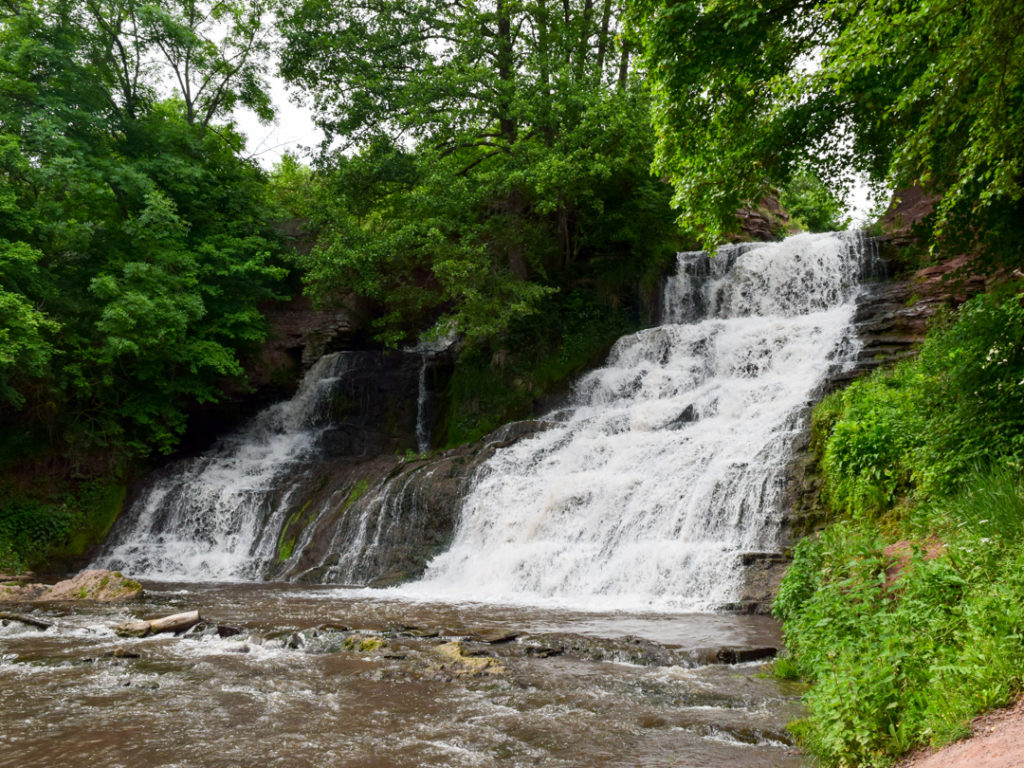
x=127, y=220
x=496, y=153
x=910, y=92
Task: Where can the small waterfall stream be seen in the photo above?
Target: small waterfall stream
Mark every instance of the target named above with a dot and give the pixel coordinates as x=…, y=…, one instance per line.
x=217, y=516
x=641, y=494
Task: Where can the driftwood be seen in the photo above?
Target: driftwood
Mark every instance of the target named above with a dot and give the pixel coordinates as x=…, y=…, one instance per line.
x=177, y=622
x=28, y=620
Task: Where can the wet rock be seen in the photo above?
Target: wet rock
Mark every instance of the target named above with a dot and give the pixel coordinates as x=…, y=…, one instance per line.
x=332, y=627
x=122, y=653
x=762, y=574
x=93, y=584
x=461, y=663
x=363, y=643
x=226, y=630
x=493, y=636
x=743, y=655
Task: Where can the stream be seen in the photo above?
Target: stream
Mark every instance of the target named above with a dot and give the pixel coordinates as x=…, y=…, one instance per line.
x=321, y=676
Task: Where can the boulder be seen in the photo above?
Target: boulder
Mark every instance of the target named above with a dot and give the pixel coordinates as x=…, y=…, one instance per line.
x=94, y=584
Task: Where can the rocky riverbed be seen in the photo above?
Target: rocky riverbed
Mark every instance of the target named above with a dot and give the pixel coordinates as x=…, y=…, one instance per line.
x=304, y=676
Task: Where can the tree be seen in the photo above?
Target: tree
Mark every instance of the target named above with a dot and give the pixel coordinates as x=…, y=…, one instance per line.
x=495, y=153
x=910, y=92
x=127, y=220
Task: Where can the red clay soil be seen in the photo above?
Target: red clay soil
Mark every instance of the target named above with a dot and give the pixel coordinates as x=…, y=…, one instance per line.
x=996, y=741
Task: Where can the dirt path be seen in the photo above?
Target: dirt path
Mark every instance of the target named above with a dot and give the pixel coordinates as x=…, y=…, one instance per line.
x=996, y=741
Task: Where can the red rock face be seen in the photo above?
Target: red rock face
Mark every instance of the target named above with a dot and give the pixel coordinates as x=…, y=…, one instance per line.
x=908, y=208
x=765, y=223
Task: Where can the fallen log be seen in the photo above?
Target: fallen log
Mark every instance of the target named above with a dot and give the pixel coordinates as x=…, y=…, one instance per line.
x=27, y=620
x=177, y=622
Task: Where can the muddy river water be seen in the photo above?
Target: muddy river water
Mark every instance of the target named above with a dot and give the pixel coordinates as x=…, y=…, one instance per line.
x=282, y=675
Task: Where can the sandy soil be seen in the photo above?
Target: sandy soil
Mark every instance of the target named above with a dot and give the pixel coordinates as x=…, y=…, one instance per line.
x=996, y=741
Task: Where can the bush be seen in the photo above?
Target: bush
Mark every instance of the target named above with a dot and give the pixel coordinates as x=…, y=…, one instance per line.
x=928, y=453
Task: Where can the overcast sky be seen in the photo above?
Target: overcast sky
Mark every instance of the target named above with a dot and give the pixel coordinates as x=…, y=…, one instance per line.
x=291, y=130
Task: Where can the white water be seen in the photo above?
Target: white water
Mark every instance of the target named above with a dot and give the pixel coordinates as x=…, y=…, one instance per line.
x=641, y=496
x=217, y=517
x=668, y=466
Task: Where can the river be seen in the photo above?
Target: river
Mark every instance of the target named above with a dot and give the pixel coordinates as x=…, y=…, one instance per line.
x=322, y=676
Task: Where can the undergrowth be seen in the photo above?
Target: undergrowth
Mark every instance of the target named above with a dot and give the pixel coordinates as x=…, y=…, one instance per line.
x=904, y=649
x=47, y=528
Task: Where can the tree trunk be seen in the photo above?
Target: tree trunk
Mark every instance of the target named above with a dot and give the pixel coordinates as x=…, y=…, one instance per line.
x=506, y=73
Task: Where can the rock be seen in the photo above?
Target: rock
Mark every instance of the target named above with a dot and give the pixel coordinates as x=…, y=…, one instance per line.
x=101, y=585
x=742, y=655
x=122, y=653
x=133, y=628
x=493, y=636
x=14, y=592
x=225, y=630
x=465, y=664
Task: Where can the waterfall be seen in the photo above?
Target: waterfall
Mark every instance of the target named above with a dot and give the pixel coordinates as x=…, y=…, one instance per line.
x=642, y=493
x=216, y=516
x=422, y=424
x=668, y=464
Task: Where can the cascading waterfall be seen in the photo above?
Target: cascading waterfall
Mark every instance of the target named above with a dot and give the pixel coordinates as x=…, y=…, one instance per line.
x=217, y=516
x=667, y=467
x=642, y=494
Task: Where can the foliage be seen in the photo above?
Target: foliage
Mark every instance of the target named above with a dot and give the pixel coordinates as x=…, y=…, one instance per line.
x=127, y=223
x=923, y=425
x=499, y=151
x=61, y=522
x=504, y=377
x=812, y=205
x=931, y=449
x=745, y=96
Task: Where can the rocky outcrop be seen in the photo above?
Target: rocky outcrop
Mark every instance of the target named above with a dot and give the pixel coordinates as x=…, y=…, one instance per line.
x=99, y=585
x=379, y=521
x=766, y=223
x=907, y=210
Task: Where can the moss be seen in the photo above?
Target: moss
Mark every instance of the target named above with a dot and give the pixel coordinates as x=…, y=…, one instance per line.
x=363, y=643
x=287, y=538
x=357, y=492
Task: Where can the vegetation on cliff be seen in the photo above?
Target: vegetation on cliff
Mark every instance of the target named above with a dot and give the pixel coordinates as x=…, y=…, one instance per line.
x=907, y=612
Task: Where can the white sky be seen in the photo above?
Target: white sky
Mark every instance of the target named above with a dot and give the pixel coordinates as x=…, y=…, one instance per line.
x=292, y=129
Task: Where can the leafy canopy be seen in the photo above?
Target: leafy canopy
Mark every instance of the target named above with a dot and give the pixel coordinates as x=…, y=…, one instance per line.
x=747, y=95
x=135, y=245
x=493, y=153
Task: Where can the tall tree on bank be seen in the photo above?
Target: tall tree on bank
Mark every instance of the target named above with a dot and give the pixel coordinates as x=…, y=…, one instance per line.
x=500, y=149
x=747, y=95
x=134, y=243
